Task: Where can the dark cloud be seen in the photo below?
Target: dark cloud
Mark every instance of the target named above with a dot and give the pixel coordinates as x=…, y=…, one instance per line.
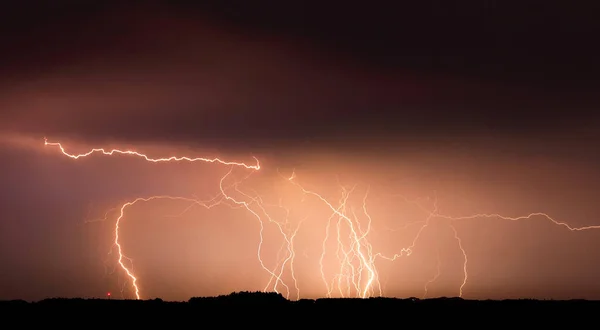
x=212, y=74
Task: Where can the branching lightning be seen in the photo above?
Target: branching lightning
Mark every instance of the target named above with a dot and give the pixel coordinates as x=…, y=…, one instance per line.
x=349, y=270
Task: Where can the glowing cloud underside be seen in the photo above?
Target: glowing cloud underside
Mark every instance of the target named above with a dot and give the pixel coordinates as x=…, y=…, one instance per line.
x=356, y=272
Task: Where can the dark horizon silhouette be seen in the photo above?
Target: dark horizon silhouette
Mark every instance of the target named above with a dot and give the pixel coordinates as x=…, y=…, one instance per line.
x=260, y=297
x=258, y=308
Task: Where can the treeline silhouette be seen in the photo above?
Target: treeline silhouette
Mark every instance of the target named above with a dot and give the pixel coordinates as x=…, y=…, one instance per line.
x=256, y=307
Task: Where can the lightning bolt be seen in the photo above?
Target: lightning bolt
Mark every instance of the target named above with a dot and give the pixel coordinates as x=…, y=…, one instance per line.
x=353, y=271
x=257, y=214
x=466, y=260
x=435, y=277
x=524, y=217
x=145, y=157
x=356, y=248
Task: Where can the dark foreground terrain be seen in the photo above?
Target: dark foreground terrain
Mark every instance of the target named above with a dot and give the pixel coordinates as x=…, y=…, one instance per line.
x=273, y=310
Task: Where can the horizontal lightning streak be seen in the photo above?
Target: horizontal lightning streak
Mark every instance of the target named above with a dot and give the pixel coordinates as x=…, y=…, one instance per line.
x=153, y=160
x=524, y=217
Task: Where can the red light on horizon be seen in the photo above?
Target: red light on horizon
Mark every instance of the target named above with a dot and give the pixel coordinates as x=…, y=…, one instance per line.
x=108, y=294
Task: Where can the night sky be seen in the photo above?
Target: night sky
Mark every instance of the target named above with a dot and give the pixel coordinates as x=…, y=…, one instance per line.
x=490, y=106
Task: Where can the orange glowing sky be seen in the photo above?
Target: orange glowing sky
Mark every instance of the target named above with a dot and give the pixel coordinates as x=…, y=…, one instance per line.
x=180, y=251
x=382, y=128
